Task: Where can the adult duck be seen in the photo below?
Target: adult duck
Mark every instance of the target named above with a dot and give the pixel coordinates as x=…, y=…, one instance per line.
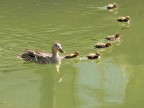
x=43, y=57
x=112, y=6
x=124, y=19
x=75, y=54
x=113, y=37
x=103, y=45
x=93, y=56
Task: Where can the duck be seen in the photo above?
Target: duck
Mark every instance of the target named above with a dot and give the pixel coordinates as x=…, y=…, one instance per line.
x=113, y=37
x=124, y=19
x=103, y=45
x=44, y=57
x=93, y=55
x=112, y=6
x=75, y=54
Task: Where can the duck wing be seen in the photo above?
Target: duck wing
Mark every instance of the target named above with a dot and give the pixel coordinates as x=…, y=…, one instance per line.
x=109, y=6
x=28, y=55
x=43, y=58
x=100, y=45
x=35, y=56
x=69, y=56
x=111, y=38
x=91, y=56
x=122, y=19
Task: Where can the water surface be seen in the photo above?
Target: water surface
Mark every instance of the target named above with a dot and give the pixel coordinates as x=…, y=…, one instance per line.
x=114, y=81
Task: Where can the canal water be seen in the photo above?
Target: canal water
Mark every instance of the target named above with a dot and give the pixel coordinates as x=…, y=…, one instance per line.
x=116, y=80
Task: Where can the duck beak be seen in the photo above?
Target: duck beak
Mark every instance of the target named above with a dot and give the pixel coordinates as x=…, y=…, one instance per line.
x=61, y=50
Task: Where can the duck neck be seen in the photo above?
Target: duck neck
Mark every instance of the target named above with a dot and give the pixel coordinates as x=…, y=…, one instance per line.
x=55, y=53
x=55, y=57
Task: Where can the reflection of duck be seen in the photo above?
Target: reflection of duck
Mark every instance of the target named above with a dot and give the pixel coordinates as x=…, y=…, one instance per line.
x=124, y=19
x=43, y=58
x=103, y=45
x=112, y=6
x=76, y=54
x=93, y=55
x=113, y=37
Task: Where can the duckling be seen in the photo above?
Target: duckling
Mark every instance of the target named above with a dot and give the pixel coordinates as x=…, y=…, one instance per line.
x=112, y=6
x=103, y=45
x=43, y=57
x=75, y=54
x=124, y=19
x=93, y=56
x=113, y=37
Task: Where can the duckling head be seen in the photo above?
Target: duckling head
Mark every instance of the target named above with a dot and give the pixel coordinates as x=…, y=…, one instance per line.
x=108, y=44
x=97, y=53
x=115, y=5
x=117, y=35
x=77, y=53
x=127, y=17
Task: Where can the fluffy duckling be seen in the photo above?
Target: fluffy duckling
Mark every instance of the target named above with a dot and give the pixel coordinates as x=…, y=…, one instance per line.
x=124, y=19
x=93, y=56
x=113, y=37
x=112, y=6
x=75, y=54
x=42, y=57
x=103, y=45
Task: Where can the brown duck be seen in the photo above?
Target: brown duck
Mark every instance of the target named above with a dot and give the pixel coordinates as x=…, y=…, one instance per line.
x=42, y=57
x=124, y=19
x=113, y=37
x=75, y=54
x=112, y=6
x=103, y=45
x=93, y=56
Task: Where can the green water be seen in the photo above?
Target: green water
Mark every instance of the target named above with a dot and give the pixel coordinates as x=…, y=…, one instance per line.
x=114, y=81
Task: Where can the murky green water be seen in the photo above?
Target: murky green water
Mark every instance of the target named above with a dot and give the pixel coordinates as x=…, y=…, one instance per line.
x=114, y=81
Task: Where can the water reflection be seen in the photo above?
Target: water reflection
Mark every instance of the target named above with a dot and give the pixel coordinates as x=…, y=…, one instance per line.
x=49, y=78
x=108, y=50
x=134, y=98
x=104, y=85
x=52, y=93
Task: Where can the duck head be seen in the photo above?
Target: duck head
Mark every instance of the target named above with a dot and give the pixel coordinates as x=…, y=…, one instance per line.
x=57, y=48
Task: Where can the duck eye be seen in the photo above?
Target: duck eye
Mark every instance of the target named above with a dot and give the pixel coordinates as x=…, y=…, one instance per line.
x=56, y=45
